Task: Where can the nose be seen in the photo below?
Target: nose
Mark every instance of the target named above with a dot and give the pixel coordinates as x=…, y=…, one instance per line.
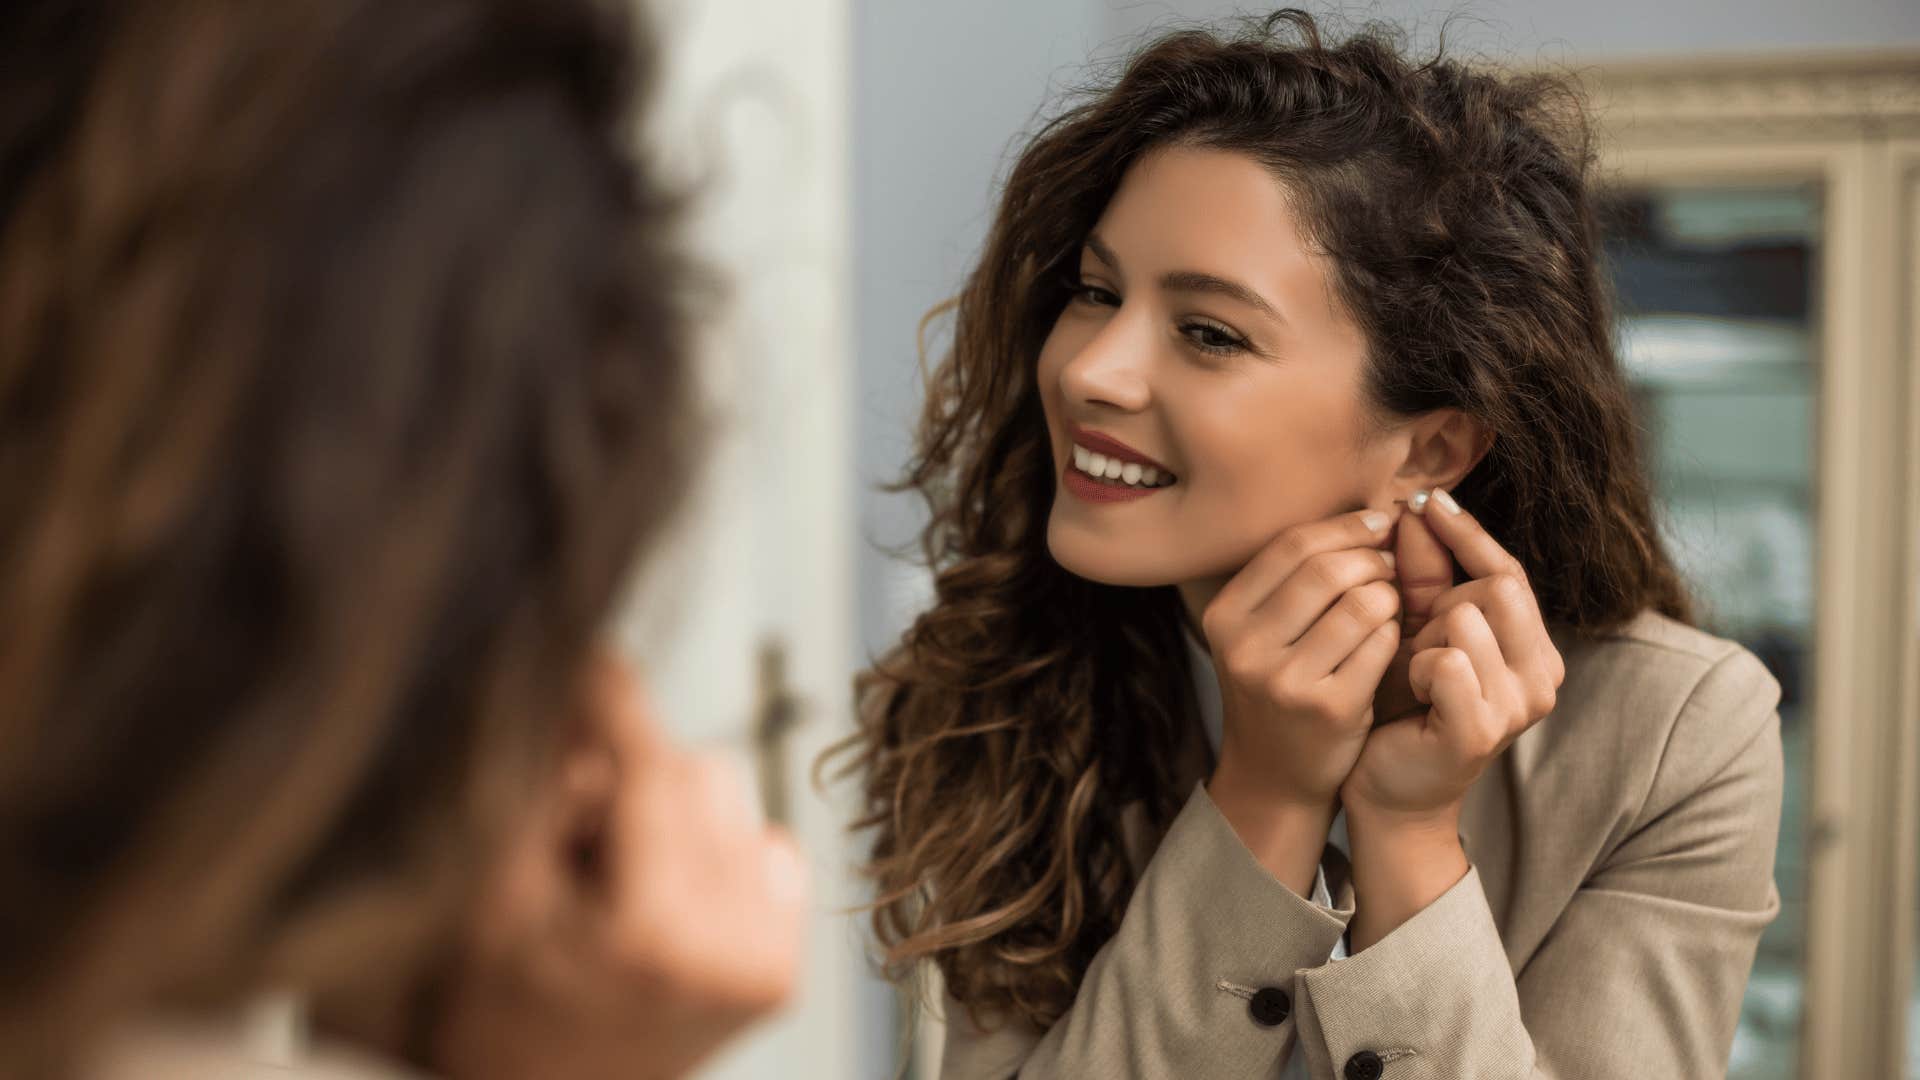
x=1111, y=369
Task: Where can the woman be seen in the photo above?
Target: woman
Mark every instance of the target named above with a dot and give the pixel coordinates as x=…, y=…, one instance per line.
x=342, y=348
x=1284, y=480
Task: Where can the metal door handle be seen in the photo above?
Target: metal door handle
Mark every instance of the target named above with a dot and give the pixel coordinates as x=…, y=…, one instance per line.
x=776, y=713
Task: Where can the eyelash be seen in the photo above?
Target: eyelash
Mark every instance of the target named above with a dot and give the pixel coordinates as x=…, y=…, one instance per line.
x=1083, y=293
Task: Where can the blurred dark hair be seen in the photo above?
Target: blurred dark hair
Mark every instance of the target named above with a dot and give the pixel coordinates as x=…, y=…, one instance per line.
x=341, y=365
x=1003, y=737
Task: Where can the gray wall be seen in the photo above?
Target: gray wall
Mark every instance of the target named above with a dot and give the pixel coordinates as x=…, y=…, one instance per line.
x=1589, y=29
x=940, y=90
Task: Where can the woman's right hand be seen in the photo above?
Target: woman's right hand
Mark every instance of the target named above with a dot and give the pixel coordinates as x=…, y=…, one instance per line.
x=1301, y=638
x=641, y=922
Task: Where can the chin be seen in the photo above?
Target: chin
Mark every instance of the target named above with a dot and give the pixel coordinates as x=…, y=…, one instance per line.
x=1099, y=559
x=1107, y=563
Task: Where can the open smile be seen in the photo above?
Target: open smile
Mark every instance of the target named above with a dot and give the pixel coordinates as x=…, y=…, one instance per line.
x=1104, y=469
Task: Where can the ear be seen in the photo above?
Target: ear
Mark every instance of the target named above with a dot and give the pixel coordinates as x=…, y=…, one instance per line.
x=610, y=735
x=1442, y=447
x=551, y=860
x=503, y=996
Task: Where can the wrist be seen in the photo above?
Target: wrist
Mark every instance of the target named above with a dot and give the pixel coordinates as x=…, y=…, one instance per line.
x=1285, y=834
x=1401, y=825
x=1401, y=864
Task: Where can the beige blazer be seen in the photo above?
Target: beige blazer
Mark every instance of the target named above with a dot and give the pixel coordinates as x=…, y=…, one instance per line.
x=1622, y=871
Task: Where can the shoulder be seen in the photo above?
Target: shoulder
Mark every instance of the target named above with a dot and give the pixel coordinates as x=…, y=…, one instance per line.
x=1658, y=704
x=1659, y=669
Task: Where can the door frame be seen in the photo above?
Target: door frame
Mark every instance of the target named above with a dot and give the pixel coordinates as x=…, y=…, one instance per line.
x=744, y=619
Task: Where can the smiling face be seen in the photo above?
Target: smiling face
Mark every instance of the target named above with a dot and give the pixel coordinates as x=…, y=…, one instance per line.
x=1205, y=340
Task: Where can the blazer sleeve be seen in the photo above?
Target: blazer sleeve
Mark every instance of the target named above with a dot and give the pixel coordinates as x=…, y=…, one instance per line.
x=1202, y=970
x=1644, y=970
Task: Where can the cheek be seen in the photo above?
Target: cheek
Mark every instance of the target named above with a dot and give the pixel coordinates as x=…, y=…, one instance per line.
x=1248, y=428
x=1271, y=456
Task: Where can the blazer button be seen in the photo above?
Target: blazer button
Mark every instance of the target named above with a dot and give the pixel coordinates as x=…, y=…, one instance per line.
x=1364, y=1065
x=1270, y=1006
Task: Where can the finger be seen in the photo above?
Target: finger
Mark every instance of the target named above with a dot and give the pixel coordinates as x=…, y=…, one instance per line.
x=785, y=869
x=702, y=797
x=1277, y=561
x=1479, y=554
x=1319, y=586
x=1360, y=672
x=1425, y=572
x=1509, y=606
x=1425, y=669
x=771, y=915
x=1507, y=708
x=614, y=708
x=1467, y=630
x=1341, y=629
x=1525, y=643
x=1446, y=677
x=725, y=792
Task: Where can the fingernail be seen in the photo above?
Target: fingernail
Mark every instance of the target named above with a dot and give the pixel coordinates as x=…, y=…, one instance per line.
x=1418, y=503
x=1445, y=500
x=786, y=871
x=1392, y=563
x=1374, y=520
x=738, y=785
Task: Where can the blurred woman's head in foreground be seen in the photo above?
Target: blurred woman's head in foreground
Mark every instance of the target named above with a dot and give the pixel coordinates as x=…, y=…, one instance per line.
x=341, y=372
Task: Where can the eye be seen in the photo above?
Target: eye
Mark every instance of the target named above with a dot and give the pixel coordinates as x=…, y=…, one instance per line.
x=1081, y=292
x=1212, y=338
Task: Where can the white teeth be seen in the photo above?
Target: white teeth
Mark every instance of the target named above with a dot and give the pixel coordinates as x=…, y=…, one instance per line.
x=1131, y=473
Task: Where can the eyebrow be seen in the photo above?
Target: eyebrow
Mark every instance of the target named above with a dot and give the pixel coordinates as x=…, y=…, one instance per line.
x=1194, y=281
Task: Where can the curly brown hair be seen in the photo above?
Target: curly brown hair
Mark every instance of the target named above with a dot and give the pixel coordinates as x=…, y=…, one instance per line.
x=1002, y=738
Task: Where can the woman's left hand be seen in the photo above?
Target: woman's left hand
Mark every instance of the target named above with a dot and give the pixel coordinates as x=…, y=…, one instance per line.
x=1481, y=660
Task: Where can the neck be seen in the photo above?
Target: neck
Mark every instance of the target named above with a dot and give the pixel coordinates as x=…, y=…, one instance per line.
x=1196, y=595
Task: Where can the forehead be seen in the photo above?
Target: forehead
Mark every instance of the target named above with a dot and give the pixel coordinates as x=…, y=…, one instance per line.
x=1218, y=212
